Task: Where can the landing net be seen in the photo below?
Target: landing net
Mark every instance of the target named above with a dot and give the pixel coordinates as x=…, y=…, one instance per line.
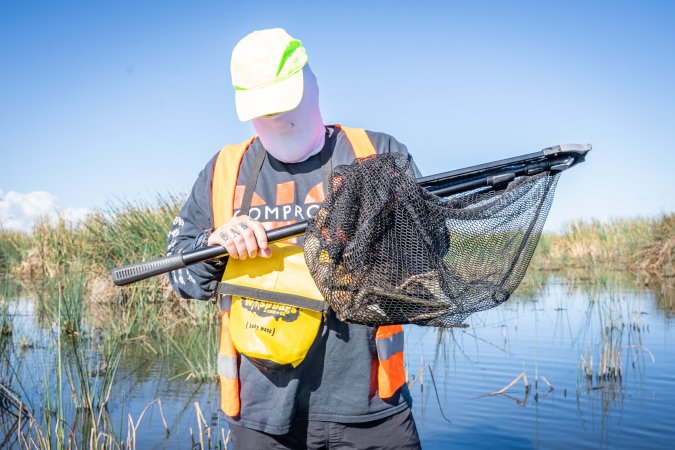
x=383, y=250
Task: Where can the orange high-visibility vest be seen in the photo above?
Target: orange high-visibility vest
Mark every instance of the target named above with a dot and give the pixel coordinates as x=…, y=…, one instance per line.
x=388, y=339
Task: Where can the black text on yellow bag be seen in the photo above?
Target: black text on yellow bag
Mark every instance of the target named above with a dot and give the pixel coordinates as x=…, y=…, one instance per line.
x=276, y=332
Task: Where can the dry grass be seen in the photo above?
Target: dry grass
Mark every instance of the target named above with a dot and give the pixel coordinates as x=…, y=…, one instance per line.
x=29, y=434
x=656, y=257
x=640, y=245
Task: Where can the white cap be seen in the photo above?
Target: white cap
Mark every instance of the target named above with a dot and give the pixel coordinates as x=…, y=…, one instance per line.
x=267, y=75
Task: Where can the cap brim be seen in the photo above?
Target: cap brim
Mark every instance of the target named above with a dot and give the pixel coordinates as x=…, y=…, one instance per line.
x=279, y=97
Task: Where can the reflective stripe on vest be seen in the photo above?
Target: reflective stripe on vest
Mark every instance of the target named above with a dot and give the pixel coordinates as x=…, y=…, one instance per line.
x=390, y=370
x=388, y=339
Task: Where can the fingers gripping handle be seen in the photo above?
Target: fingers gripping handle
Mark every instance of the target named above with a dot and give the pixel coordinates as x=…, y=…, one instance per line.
x=122, y=276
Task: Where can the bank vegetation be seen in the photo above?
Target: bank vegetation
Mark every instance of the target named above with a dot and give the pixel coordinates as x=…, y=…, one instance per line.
x=136, y=232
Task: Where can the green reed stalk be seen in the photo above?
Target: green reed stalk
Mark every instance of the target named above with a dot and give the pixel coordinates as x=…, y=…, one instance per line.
x=60, y=424
x=197, y=344
x=13, y=249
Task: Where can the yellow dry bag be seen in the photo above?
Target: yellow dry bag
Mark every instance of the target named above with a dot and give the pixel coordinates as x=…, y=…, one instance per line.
x=276, y=309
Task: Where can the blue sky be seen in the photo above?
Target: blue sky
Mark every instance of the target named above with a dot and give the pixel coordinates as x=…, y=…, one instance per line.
x=128, y=100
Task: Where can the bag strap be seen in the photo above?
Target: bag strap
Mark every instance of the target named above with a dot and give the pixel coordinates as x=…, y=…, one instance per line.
x=326, y=156
x=252, y=180
x=276, y=297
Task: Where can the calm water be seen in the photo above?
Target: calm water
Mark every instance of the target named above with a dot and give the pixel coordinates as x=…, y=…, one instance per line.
x=555, y=336
x=546, y=337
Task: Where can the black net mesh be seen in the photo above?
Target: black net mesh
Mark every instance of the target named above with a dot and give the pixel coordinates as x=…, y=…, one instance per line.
x=383, y=250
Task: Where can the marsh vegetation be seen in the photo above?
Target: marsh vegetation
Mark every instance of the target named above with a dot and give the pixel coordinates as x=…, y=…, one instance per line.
x=86, y=365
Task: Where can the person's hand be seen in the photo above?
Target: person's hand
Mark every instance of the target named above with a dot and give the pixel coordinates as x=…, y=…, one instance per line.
x=242, y=237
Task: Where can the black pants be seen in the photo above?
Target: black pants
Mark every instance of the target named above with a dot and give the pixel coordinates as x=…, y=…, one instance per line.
x=393, y=432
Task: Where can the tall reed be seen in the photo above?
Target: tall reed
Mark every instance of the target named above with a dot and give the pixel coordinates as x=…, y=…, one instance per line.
x=126, y=233
x=13, y=248
x=657, y=257
x=639, y=244
x=197, y=345
x=129, y=232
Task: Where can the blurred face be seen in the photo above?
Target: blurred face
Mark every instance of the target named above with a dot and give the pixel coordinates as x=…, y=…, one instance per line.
x=295, y=135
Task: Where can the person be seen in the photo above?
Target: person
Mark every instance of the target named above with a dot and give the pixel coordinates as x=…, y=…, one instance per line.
x=346, y=388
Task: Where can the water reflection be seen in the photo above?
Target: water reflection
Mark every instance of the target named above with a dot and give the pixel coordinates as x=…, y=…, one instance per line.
x=595, y=356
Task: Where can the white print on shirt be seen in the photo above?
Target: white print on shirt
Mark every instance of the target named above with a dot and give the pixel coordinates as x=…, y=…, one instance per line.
x=281, y=213
x=177, y=226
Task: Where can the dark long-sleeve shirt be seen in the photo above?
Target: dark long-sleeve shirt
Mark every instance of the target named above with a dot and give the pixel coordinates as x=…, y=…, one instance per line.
x=337, y=380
